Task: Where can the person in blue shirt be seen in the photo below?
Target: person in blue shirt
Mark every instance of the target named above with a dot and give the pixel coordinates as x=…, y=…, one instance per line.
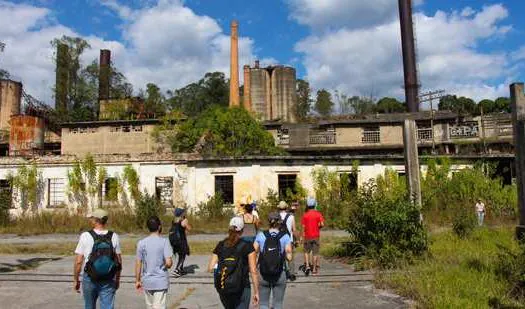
x=275, y=288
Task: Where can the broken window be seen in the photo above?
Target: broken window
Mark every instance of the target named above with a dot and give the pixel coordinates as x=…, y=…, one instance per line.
x=371, y=135
x=286, y=184
x=164, y=190
x=348, y=182
x=224, y=187
x=6, y=194
x=55, y=192
x=111, y=189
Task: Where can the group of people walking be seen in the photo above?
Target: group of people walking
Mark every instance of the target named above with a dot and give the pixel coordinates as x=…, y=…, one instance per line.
x=249, y=251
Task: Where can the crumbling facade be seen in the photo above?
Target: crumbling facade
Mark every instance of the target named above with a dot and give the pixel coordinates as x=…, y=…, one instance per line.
x=270, y=92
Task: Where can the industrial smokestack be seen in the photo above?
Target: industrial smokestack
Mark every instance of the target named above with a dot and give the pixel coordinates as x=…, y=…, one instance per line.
x=409, y=55
x=61, y=78
x=247, y=99
x=234, y=65
x=257, y=64
x=104, y=74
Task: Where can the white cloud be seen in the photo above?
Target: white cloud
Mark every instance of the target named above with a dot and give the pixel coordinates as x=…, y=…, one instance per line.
x=164, y=42
x=334, y=14
x=365, y=60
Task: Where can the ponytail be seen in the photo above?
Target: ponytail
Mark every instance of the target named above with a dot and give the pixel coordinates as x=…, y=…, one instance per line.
x=233, y=237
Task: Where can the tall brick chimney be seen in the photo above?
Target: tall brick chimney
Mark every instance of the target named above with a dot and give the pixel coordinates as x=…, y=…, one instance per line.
x=234, y=65
x=104, y=74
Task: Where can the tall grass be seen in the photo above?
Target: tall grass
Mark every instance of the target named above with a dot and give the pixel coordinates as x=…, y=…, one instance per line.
x=458, y=273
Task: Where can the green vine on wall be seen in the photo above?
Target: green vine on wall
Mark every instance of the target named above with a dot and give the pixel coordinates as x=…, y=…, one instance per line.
x=85, y=182
x=28, y=187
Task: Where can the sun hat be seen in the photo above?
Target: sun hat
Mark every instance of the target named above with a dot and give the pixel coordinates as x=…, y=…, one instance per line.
x=179, y=212
x=98, y=213
x=237, y=223
x=282, y=205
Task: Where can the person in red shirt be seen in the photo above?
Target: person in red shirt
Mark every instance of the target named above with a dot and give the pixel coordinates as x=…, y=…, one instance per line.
x=312, y=222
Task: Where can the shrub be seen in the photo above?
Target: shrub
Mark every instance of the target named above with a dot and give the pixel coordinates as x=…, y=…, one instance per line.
x=510, y=267
x=386, y=224
x=5, y=204
x=146, y=207
x=464, y=223
x=214, y=208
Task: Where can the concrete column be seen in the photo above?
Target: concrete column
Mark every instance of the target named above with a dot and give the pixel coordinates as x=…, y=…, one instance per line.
x=412, y=160
x=247, y=98
x=518, y=121
x=234, y=65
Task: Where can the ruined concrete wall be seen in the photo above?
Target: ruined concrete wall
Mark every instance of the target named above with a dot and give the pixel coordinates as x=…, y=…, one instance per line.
x=10, y=101
x=391, y=135
x=350, y=136
x=258, y=92
x=128, y=139
x=283, y=93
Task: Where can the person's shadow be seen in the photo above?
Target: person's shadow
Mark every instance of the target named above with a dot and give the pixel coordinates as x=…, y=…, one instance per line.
x=24, y=264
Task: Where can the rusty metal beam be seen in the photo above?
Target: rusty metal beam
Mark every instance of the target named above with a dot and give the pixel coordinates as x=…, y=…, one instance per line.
x=409, y=55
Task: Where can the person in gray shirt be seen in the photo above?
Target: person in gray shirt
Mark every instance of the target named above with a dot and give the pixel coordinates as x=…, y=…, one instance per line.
x=151, y=267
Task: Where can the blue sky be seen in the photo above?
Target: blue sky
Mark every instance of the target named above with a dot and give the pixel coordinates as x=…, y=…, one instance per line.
x=468, y=47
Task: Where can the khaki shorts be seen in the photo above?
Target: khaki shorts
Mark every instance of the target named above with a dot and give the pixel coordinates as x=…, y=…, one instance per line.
x=311, y=245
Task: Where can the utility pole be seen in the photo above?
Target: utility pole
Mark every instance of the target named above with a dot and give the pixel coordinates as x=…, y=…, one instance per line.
x=411, y=96
x=517, y=98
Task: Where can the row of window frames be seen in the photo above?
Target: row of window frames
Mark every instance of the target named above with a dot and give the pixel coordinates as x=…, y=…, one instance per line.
x=56, y=189
x=286, y=183
x=112, y=129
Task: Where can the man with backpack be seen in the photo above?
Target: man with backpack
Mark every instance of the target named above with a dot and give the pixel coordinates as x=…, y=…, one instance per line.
x=151, y=267
x=312, y=222
x=288, y=226
x=275, y=248
x=98, y=257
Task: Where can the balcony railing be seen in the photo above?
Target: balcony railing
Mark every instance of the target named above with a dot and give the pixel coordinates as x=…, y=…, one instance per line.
x=424, y=134
x=322, y=138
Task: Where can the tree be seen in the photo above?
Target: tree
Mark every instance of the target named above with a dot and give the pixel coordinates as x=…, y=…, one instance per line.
x=461, y=105
x=82, y=82
x=323, y=103
x=502, y=105
x=221, y=131
x=194, y=98
x=154, y=101
x=488, y=106
x=390, y=105
x=304, y=99
x=362, y=105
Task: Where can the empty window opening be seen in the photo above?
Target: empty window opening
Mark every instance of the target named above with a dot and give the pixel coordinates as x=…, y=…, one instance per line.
x=287, y=185
x=224, y=187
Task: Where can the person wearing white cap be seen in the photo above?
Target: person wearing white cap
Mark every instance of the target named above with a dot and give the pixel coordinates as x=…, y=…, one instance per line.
x=231, y=261
x=98, y=283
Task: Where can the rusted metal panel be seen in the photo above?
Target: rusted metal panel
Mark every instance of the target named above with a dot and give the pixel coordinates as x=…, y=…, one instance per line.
x=26, y=137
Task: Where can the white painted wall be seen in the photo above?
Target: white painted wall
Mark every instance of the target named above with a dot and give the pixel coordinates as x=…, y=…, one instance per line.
x=197, y=184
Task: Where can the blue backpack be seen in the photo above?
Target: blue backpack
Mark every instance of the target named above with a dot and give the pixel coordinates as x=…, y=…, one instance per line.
x=102, y=264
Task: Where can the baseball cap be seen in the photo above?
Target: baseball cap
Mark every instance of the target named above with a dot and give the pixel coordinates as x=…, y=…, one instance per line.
x=238, y=223
x=311, y=202
x=274, y=217
x=98, y=213
x=282, y=205
x=178, y=212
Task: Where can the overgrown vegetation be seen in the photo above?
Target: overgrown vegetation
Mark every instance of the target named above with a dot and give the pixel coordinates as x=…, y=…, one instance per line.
x=223, y=131
x=459, y=273
x=27, y=187
x=214, y=209
x=147, y=206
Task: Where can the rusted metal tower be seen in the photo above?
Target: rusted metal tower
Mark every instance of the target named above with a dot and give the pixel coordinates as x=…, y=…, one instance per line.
x=104, y=75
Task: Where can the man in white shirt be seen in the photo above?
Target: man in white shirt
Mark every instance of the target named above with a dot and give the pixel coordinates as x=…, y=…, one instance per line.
x=480, y=212
x=98, y=288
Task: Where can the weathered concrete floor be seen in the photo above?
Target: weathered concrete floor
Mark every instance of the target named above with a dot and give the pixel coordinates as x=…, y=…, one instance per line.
x=49, y=286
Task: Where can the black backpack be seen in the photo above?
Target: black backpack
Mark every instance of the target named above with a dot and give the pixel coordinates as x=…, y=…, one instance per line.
x=284, y=227
x=175, y=236
x=102, y=264
x=271, y=259
x=230, y=274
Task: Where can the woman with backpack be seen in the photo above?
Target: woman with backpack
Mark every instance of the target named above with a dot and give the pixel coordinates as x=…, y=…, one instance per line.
x=275, y=249
x=251, y=223
x=178, y=240
x=231, y=262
